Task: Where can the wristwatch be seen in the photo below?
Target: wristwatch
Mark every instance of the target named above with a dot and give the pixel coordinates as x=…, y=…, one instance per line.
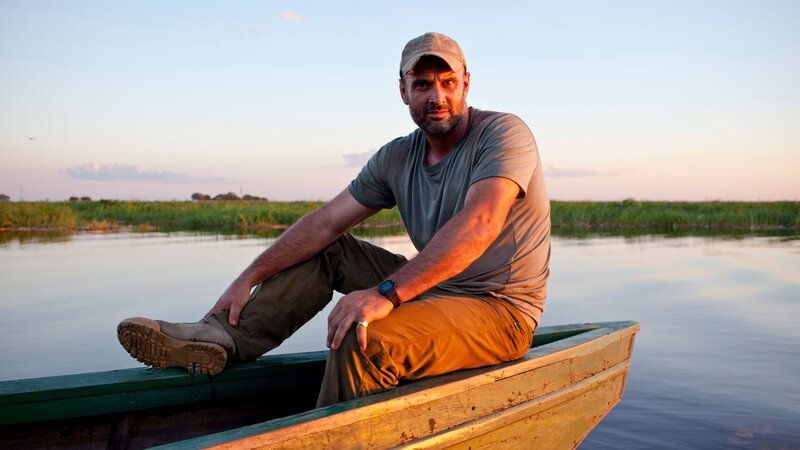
x=387, y=289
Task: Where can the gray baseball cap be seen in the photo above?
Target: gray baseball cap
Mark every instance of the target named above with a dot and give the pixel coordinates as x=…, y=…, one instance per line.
x=433, y=44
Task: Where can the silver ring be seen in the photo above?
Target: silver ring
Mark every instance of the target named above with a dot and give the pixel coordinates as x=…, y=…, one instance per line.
x=363, y=324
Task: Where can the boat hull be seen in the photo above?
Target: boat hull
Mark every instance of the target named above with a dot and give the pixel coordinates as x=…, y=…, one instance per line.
x=551, y=398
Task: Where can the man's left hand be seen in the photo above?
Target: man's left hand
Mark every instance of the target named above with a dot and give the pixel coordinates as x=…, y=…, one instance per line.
x=358, y=306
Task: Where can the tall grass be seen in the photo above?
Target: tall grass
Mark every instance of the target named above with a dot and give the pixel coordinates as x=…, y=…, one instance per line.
x=37, y=215
x=257, y=217
x=223, y=216
x=216, y=216
x=671, y=216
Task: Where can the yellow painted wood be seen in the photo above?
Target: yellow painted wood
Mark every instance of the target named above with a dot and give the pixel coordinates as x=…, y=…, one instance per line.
x=535, y=421
x=458, y=399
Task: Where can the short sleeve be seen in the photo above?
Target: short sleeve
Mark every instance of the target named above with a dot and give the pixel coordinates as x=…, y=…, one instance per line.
x=371, y=186
x=506, y=149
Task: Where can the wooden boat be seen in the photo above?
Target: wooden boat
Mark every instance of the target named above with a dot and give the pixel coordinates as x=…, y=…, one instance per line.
x=551, y=398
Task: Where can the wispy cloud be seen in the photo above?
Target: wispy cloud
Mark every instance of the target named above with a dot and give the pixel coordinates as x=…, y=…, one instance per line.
x=357, y=159
x=292, y=17
x=567, y=172
x=127, y=172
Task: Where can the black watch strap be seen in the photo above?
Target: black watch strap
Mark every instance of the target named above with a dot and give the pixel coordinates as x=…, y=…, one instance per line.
x=387, y=288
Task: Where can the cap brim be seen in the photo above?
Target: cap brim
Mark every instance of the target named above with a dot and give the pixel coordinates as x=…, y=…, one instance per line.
x=452, y=61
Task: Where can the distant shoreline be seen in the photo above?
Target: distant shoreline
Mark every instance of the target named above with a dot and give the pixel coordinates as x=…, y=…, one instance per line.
x=270, y=217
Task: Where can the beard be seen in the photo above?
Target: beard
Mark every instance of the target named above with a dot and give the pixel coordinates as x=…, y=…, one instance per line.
x=438, y=128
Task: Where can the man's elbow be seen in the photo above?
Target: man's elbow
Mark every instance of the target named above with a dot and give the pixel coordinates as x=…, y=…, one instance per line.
x=487, y=230
x=488, y=206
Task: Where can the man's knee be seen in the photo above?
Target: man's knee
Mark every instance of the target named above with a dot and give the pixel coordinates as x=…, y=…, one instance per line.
x=370, y=371
x=349, y=352
x=349, y=346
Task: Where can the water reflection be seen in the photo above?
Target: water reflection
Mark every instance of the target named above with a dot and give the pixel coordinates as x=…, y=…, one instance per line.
x=40, y=237
x=715, y=366
x=43, y=237
x=34, y=237
x=592, y=233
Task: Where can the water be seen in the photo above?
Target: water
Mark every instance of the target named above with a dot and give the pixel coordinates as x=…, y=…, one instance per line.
x=716, y=363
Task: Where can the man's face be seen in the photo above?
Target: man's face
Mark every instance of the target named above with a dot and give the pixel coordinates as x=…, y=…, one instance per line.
x=436, y=96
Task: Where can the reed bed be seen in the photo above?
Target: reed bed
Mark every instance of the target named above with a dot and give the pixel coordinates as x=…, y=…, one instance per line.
x=677, y=216
x=230, y=216
x=237, y=216
x=37, y=215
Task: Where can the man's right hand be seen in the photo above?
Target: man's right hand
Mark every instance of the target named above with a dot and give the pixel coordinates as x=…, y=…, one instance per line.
x=232, y=300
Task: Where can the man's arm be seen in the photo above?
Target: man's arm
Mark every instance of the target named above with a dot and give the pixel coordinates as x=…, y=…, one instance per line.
x=307, y=237
x=455, y=246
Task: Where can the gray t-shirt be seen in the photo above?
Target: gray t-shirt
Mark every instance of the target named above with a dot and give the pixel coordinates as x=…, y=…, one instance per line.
x=515, y=266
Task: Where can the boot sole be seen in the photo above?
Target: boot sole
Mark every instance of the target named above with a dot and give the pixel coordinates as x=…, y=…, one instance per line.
x=143, y=339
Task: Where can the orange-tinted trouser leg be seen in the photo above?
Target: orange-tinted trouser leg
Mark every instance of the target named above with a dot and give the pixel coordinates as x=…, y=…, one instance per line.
x=434, y=334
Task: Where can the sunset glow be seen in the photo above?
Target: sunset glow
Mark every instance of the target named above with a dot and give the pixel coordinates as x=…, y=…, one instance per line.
x=649, y=100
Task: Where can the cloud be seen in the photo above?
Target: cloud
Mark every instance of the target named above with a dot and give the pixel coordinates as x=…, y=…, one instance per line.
x=357, y=159
x=567, y=172
x=127, y=172
x=292, y=17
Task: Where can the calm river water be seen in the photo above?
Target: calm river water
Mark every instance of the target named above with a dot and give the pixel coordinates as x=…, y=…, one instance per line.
x=716, y=363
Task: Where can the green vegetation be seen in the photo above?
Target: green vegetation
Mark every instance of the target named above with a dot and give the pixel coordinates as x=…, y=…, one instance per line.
x=676, y=216
x=46, y=216
x=241, y=216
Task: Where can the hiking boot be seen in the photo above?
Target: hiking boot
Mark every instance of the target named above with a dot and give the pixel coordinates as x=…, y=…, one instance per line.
x=199, y=347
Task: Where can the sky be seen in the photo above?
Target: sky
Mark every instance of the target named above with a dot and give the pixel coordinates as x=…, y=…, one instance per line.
x=651, y=100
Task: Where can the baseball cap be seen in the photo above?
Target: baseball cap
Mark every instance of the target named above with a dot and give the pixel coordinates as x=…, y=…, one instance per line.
x=433, y=44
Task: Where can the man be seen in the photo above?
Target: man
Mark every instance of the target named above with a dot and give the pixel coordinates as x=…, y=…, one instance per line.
x=469, y=187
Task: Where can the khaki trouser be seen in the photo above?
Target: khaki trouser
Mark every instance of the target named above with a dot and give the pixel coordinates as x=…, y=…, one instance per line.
x=436, y=333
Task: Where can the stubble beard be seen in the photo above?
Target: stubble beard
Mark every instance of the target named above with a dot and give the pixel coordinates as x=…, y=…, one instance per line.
x=438, y=128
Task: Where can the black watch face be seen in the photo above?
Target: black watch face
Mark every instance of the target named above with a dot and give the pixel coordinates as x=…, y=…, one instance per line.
x=385, y=286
